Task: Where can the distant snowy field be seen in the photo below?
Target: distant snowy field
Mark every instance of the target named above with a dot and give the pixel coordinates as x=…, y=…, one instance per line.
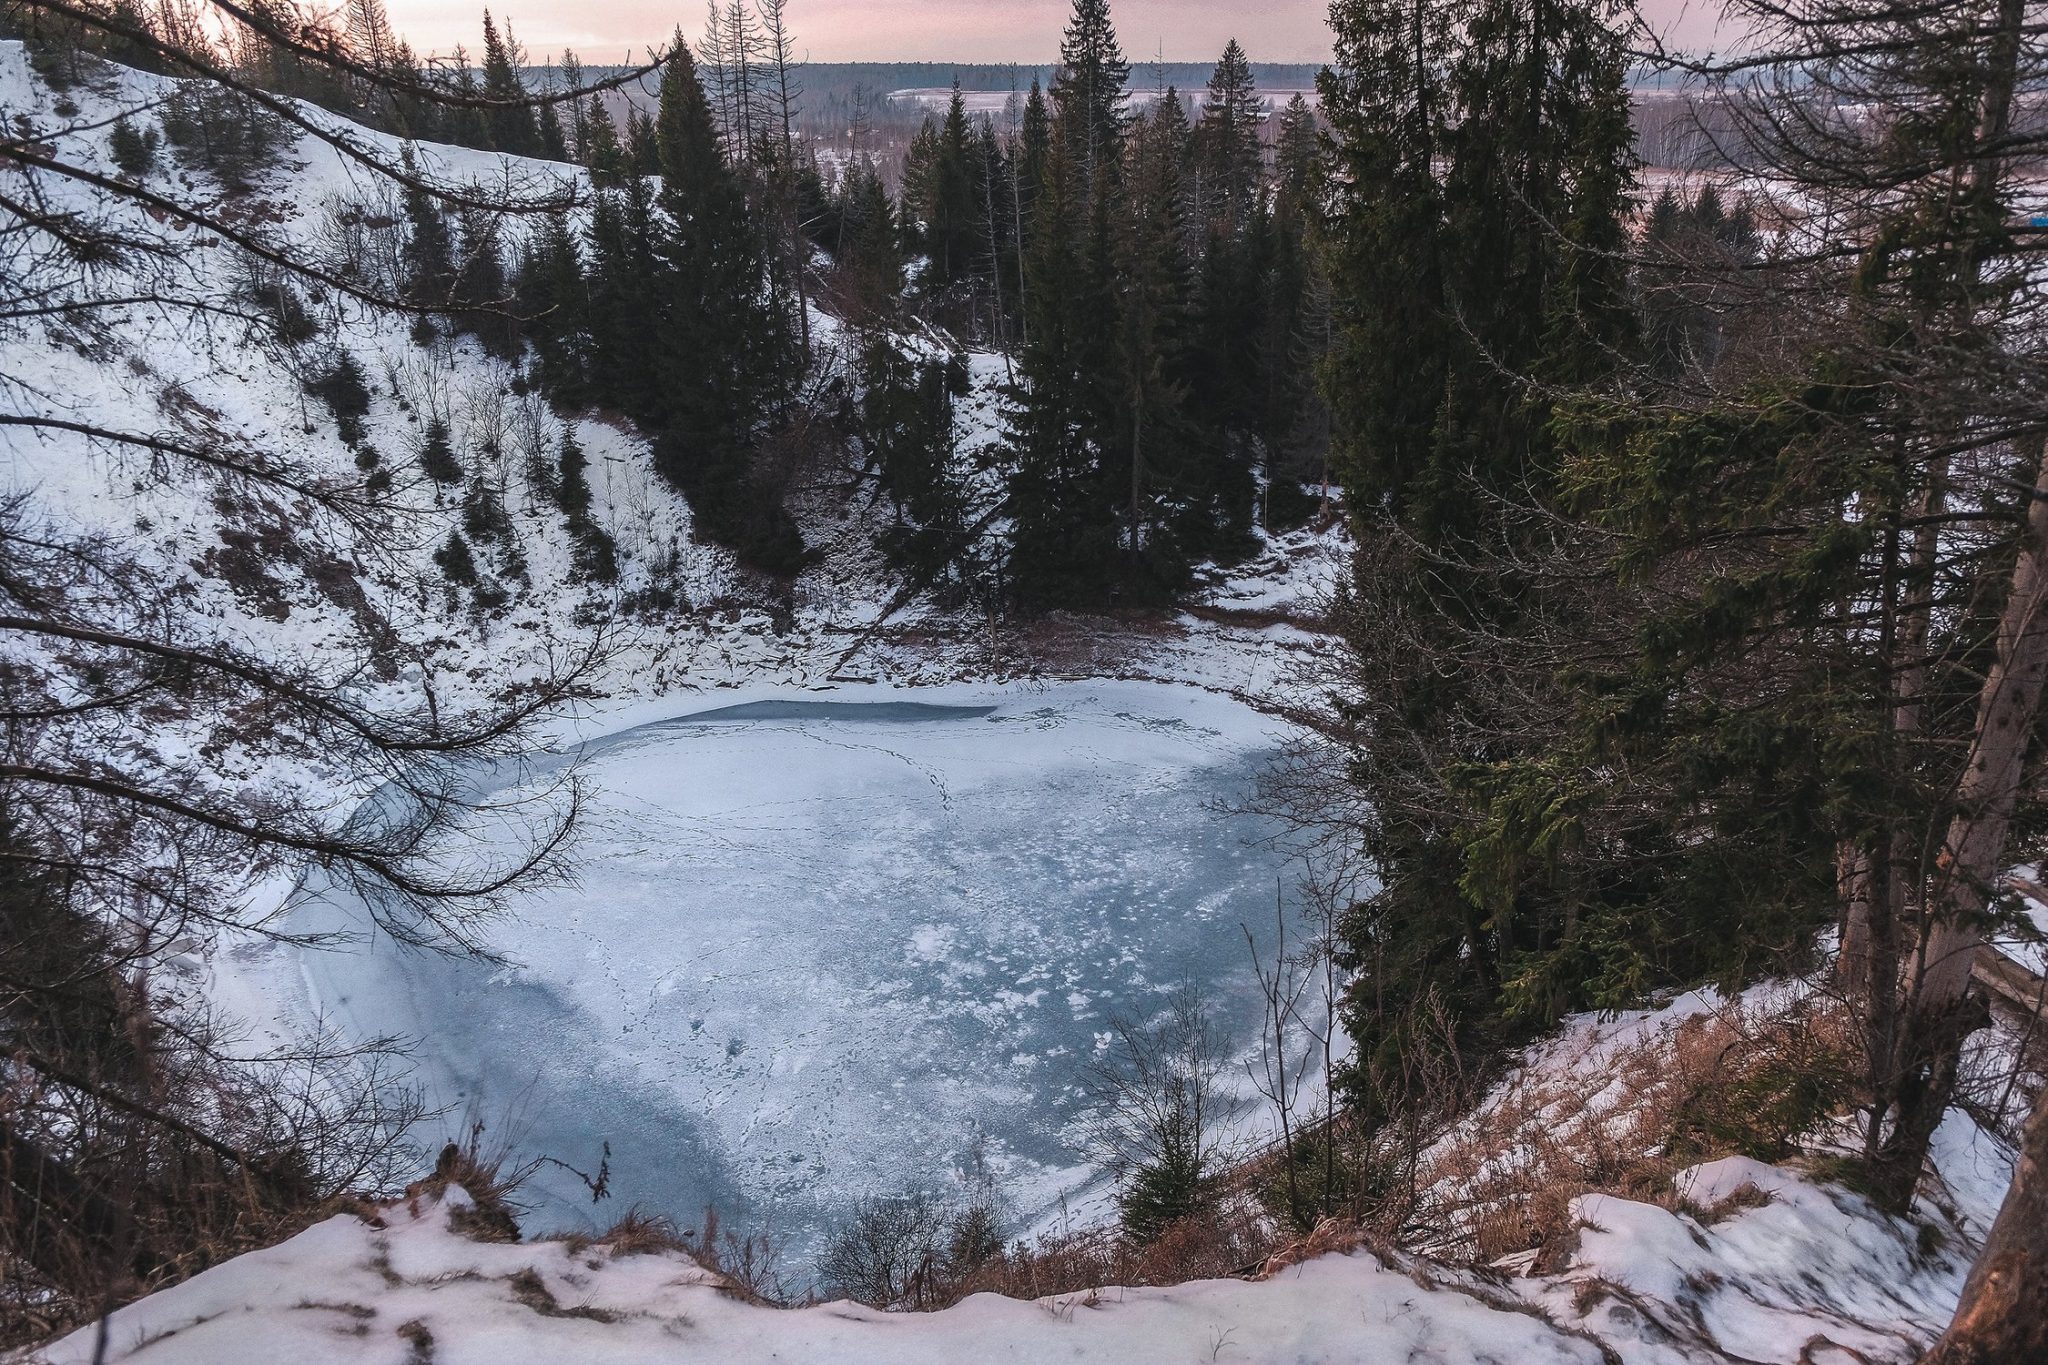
x=823, y=948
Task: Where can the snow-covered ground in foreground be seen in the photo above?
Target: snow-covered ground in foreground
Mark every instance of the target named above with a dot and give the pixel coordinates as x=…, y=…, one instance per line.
x=415, y=1292
x=840, y=945
x=1790, y=1271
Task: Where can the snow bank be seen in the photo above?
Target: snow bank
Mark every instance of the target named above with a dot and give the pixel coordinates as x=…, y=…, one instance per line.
x=415, y=1291
x=1771, y=1267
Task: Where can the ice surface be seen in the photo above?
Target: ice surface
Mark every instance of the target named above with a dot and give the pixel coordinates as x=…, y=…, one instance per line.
x=825, y=948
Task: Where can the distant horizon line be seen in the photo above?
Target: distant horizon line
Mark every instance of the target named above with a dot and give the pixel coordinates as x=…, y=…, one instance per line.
x=1136, y=67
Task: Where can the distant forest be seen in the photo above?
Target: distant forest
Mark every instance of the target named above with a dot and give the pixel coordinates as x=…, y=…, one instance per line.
x=838, y=95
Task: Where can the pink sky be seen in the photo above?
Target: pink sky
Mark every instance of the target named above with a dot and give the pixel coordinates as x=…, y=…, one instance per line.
x=934, y=30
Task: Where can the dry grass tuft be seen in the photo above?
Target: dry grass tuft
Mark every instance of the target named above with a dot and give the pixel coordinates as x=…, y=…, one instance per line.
x=1746, y=1079
x=489, y=1217
x=1233, y=1237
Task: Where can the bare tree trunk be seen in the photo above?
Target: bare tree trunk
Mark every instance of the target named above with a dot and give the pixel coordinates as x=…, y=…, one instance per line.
x=1939, y=1014
x=2003, y=1317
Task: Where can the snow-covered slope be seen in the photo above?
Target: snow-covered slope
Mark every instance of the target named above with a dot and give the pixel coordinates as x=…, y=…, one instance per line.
x=413, y=1291
x=1759, y=1264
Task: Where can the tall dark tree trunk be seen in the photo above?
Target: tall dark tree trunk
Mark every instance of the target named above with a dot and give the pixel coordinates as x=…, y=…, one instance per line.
x=2003, y=1318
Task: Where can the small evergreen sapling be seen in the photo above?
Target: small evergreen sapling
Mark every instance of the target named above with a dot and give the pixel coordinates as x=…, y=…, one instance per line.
x=437, y=455
x=345, y=389
x=456, y=561
x=134, y=150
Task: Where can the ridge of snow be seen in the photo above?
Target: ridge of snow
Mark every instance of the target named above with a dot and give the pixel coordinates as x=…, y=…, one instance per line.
x=1813, y=1274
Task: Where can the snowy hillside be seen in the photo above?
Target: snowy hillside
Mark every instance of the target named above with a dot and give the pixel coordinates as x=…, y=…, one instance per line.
x=257, y=567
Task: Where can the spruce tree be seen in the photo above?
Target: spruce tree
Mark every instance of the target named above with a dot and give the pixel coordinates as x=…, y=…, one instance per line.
x=906, y=425
x=868, y=246
x=457, y=562
x=723, y=360
x=1291, y=423
x=554, y=306
x=482, y=295
x=643, y=144
x=509, y=122
x=1072, y=423
x=467, y=122
x=1089, y=92
x=1154, y=450
x=437, y=454
x=134, y=150
x=345, y=389
x=623, y=309
x=952, y=217
x=429, y=261
x=600, y=147
x=1482, y=182
x=553, y=139
x=576, y=128
x=1064, y=548
x=1835, y=688
x=572, y=484
x=1230, y=163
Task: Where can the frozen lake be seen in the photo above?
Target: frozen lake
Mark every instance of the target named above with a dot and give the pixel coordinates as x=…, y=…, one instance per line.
x=820, y=948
